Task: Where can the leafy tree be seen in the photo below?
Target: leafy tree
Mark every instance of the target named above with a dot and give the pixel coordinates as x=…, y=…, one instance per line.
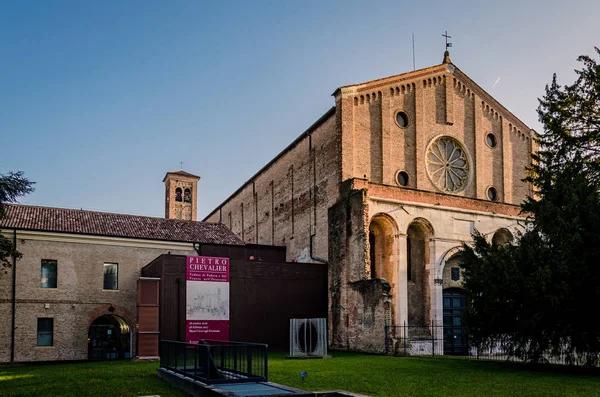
x=12, y=186
x=539, y=295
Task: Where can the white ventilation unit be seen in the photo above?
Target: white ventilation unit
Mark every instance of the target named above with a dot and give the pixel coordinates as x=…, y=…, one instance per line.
x=308, y=337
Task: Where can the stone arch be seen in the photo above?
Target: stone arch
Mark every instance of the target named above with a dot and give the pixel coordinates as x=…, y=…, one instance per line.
x=109, y=338
x=382, y=232
x=452, y=276
x=418, y=236
x=445, y=256
x=502, y=236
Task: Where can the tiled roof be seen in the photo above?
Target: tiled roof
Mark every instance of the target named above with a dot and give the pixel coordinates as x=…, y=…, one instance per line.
x=181, y=173
x=62, y=220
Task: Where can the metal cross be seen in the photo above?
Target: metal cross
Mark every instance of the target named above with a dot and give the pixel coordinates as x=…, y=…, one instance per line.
x=447, y=37
x=181, y=162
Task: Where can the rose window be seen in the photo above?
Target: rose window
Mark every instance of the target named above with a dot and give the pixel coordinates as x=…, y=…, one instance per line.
x=447, y=165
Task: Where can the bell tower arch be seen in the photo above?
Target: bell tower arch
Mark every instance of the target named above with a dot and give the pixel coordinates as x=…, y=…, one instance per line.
x=181, y=195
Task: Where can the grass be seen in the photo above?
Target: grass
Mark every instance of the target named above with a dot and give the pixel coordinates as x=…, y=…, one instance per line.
x=377, y=376
x=385, y=376
x=107, y=378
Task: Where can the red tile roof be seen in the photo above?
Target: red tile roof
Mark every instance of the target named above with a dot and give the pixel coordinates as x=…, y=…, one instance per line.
x=50, y=219
x=181, y=173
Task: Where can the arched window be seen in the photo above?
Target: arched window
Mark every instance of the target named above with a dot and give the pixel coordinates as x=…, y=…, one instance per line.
x=187, y=196
x=502, y=237
x=178, y=196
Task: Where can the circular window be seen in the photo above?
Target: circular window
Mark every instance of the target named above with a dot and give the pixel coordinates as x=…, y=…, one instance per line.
x=492, y=194
x=402, y=178
x=490, y=139
x=448, y=164
x=402, y=119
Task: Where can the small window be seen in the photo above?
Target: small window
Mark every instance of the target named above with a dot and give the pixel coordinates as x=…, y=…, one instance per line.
x=402, y=119
x=490, y=139
x=455, y=274
x=111, y=273
x=45, y=331
x=187, y=196
x=178, y=195
x=48, y=273
x=402, y=178
x=492, y=194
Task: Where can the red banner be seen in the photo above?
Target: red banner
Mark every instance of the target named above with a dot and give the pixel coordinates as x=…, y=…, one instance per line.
x=207, y=298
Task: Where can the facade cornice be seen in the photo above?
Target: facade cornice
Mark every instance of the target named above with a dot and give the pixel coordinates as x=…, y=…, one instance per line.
x=423, y=198
x=97, y=240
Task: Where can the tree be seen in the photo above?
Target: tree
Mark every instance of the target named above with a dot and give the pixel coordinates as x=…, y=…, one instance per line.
x=12, y=186
x=539, y=294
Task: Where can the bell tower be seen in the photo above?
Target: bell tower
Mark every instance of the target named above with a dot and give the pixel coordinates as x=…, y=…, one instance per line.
x=181, y=192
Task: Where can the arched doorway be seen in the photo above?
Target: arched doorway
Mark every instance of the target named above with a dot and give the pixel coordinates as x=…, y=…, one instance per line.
x=455, y=332
x=109, y=338
x=454, y=306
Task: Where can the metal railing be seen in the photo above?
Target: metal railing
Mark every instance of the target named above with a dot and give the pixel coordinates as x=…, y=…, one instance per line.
x=436, y=340
x=216, y=361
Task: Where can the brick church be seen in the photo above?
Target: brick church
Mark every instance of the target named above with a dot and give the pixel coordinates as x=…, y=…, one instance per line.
x=385, y=187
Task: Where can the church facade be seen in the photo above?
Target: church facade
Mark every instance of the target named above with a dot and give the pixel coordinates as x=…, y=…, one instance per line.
x=385, y=187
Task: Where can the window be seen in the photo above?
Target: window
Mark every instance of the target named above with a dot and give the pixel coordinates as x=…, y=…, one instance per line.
x=448, y=164
x=402, y=178
x=402, y=119
x=490, y=140
x=492, y=194
x=45, y=331
x=178, y=194
x=455, y=273
x=111, y=279
x=187, y=196
x=48, y=273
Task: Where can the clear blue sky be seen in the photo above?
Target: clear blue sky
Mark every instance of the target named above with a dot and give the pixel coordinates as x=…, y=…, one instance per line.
x=99, y=99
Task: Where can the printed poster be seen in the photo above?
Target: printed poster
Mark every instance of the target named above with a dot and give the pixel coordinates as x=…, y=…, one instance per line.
x=207, y=298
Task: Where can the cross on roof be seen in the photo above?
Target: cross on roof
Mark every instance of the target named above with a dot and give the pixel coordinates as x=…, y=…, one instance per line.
x=448, y=45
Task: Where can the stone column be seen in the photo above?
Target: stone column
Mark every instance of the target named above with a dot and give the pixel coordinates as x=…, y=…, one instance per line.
x=401, y=298
x=435, y=291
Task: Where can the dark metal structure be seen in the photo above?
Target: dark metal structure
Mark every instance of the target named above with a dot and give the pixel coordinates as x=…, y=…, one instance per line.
x=265, y=292
x=215, y=362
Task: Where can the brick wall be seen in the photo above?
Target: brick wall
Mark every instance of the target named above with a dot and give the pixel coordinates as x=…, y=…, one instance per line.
x=79, y=297
x=287, y=201
x=438, y=101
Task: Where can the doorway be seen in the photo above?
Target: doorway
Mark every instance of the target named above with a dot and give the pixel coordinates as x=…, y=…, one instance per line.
x=109, y=338
x=455, y=332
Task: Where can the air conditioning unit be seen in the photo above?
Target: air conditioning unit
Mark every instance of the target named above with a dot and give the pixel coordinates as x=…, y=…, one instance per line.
x=308, y=337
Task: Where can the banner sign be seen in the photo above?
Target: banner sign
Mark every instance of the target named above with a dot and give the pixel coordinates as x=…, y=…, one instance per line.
x=207, y=298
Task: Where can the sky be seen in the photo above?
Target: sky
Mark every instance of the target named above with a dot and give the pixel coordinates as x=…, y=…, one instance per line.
x=99, y=99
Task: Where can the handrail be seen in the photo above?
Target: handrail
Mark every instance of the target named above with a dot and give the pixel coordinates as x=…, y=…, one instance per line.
x=211, y=361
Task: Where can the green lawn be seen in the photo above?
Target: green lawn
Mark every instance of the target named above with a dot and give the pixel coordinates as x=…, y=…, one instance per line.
x=108, y=378
x=384, y=376
x=377, y=376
